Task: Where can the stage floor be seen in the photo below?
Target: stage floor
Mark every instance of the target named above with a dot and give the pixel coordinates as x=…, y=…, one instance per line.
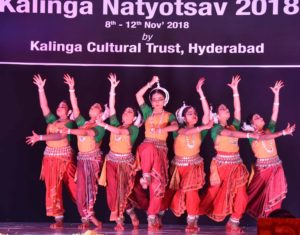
x=71, y=228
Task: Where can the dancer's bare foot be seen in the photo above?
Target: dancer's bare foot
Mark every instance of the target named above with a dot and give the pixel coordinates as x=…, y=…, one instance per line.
x=153, y=225
x=84, y=225
x=232, y=228
x=144, y=183
x=57, y=225
x=135, y=221
x=191, y=228
x=159, y=222
x=153, y=228
x=119, y=227
x=96, y=222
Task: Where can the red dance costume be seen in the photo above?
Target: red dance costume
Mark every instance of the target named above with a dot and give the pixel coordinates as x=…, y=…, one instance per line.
x=188, y=177
x=268, y=187
x=118, y=175
x=58, y=168
x=153, y=158
x=88, y=168
x=228, y=178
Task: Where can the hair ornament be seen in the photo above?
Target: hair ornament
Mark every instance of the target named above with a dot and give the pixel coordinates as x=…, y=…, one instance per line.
x=179, y=113
x=247, y=127
x=213, y=116
x=164, y=90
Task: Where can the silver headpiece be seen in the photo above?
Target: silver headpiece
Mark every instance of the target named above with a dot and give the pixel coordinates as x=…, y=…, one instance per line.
x=138, y=120
x=164, y=90
x=179, y=113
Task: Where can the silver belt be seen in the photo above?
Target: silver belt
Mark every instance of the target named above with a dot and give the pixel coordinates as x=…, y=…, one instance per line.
x=66, y=151
x=228, y=159
x=92, y=155
x=157, y=143
x=120, y=157
x=268, y=162
x=187, y=161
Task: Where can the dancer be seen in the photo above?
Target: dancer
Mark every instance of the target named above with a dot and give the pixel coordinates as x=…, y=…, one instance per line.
x=89, y=138
x=226, y=194
x=153, y=151
x=188, y=174
x=58, y=166
x=119, y=170
x=268, y=186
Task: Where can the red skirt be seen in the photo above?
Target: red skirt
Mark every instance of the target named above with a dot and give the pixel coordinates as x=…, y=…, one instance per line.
x=187, y=180
x=267, y=189
x=228, y=196
x=58, y=168
x=120, y=176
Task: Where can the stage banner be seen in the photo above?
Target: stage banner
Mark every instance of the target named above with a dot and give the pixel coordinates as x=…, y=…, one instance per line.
x=150, y=33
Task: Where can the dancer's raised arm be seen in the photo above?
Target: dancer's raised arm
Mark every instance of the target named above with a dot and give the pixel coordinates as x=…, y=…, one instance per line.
x=112, y=94
x=71, y=83
x=276, y=89
x=40, y=83
x=236, y=97
x=140, y=94
x=205, y=107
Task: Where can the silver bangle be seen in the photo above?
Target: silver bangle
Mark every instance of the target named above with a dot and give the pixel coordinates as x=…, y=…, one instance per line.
x=236, y=94
x=69, y=131
x=105, y=126
x=276, y=103
x=283, y=132
x=41, y=138
x=202, y=98
x=248, y=135
x=71, y=90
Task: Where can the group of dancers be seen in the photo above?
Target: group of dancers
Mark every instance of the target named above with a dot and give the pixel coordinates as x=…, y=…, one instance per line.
x=231, y=190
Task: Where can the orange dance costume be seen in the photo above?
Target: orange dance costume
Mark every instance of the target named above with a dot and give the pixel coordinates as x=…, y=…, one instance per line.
x=188, y=175
x=58, y=168
x=88, y=168
x=152, y=154
x=268, y=187
x=226, y=193
x=119, y=170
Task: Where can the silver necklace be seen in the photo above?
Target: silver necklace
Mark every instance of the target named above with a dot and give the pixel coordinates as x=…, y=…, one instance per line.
x=189, y=144
x=152, y=129
x=118, y=138
x=83, y=138
x=269, y=150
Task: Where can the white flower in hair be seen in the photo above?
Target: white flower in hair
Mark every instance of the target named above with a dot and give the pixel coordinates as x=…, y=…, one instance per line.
x=164, y=90
x=179, y=112
x=105, y=114
x=138, y=120
x=247, y=127
x=213, y=116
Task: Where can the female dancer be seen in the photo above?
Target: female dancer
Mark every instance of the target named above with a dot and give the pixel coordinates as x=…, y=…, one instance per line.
x=226, y=193
x=58, y=166
x=119, y=170
x=188, y=175
x=153, y=151
x=89, y=138
x=268, y=187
